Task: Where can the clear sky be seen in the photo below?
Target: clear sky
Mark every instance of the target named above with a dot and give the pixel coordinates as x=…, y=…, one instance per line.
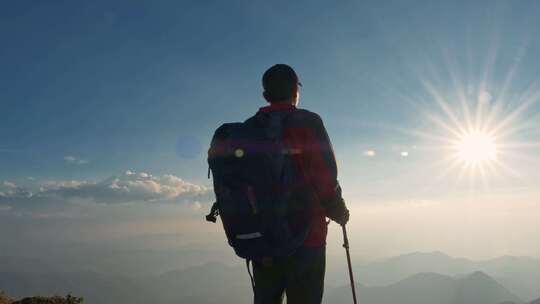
x=103, y=98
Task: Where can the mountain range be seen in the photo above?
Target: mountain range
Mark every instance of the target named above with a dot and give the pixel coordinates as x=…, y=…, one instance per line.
x=216, y=283
x=521, y=275
x=429, y=288
x=417, y=278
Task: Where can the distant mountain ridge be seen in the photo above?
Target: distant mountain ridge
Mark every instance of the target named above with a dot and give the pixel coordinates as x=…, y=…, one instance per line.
x=210, y=283
x=519, y=274
x=537, y=301
x=217, y=283
x=214, y=282
x=431, y=288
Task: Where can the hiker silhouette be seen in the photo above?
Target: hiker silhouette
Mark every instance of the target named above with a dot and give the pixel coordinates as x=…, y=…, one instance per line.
x=275, y=180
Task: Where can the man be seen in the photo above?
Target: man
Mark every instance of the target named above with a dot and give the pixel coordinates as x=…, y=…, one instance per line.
x=301, y=275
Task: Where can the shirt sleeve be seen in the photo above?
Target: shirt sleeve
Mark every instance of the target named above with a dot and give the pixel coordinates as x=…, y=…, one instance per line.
x=324, y=169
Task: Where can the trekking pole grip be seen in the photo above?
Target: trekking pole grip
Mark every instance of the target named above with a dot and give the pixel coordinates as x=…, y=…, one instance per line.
x=345, y=238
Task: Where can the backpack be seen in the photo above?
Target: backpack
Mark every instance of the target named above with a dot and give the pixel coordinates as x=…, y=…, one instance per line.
x=252, y=172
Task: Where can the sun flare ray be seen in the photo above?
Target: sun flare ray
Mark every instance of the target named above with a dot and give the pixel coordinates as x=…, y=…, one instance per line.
x=478, y=129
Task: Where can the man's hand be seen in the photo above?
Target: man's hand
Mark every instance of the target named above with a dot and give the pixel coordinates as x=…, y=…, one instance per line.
x=338, y=212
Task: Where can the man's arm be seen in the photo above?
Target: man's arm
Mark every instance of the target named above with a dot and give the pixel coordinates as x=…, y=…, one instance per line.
x=324, y=176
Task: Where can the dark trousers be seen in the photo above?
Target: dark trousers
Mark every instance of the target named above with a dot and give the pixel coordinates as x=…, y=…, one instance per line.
x=300, y=277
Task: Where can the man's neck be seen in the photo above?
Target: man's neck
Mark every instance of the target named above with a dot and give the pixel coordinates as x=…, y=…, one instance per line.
x=276, y=106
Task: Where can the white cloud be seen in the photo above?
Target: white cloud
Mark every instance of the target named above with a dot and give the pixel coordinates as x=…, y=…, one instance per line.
x=126, y=188
x=11, y=190
x=56, y=185
x=70, y=159
x=9, y=184
x=370, y=153
x=404, y=153
x=129, y=187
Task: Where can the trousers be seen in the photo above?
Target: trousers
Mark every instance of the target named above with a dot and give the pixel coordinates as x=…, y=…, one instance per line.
x=299, y=276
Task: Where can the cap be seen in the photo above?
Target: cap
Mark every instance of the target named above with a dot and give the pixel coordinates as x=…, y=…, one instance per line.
x=280, y=82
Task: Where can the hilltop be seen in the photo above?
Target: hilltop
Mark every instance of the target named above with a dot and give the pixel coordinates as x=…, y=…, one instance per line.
x=69, y=299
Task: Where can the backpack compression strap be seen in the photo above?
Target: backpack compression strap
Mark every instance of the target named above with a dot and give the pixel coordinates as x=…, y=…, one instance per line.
x=250, y=274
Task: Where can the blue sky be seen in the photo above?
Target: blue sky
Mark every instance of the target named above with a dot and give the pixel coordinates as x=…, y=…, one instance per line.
x=123, y=85
x=90, y=90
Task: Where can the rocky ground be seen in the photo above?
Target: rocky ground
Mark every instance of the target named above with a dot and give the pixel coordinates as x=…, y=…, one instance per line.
x=69, y=299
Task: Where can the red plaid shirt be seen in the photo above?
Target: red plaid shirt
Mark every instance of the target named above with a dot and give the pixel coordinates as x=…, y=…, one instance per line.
x=315, y=163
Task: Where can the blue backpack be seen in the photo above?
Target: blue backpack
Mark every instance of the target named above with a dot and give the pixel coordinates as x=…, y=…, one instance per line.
x=254, y=177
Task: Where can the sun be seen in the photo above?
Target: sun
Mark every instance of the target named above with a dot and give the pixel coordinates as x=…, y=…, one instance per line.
x=474, y=125
x=476, y=134
x=476, y=147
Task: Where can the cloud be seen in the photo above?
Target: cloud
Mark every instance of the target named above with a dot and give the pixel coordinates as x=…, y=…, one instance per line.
x=70, y=159
x=9, y=184
x=129, y=187
x=370, y=153
x=9, y=190
x=404, y=153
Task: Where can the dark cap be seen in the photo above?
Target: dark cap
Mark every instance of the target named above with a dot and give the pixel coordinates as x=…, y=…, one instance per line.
x=280, y=82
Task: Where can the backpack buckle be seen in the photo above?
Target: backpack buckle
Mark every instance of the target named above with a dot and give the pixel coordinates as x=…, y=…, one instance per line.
x=214, y=212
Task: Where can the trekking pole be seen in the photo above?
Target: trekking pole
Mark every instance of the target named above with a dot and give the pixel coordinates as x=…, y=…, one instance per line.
x=346, y=246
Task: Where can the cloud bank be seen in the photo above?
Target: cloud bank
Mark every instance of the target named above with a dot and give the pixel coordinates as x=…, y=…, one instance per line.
x=129, y=187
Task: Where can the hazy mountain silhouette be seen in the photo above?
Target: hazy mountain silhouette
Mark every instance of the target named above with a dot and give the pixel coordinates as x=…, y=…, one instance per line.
x=430, y=288
x=537, y=301
x=519, y=274
x=22, y=264
x=93, y=287
x=210, y=283
x=134, y=256
x=216, y=283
